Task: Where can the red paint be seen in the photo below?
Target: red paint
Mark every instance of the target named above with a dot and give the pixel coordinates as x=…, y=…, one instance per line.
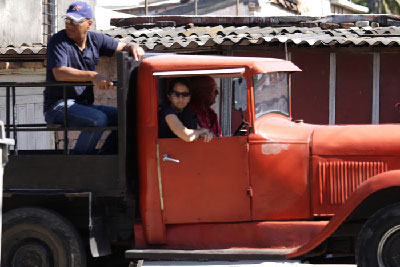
x=239, y=235
x=279, y=156
x=210, y=182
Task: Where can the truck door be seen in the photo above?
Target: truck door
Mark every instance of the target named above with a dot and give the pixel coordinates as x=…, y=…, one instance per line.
x=204, y=182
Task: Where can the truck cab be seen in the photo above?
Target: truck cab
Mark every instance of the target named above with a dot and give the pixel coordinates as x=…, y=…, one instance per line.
x=270, y=187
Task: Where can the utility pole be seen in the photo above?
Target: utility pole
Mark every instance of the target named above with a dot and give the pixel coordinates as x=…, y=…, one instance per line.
x=146, y=6
x=237, y=7
x=195, y=7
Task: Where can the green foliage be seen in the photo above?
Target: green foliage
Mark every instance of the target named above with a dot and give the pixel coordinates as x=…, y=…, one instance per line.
x=360, y=2
x=381, y=6
x=391, y=7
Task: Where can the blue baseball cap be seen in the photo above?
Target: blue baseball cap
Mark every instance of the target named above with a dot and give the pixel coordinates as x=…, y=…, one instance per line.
x=78, y=11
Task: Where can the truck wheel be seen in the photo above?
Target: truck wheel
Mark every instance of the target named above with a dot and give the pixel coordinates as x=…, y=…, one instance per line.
x=41, y=238
x=378, y=242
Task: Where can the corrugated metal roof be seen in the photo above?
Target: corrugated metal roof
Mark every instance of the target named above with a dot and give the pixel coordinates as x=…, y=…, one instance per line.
x=164, y=38
x=314, y=34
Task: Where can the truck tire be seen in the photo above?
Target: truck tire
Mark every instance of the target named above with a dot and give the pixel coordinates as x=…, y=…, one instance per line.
x=41, y=238
x=378, y=242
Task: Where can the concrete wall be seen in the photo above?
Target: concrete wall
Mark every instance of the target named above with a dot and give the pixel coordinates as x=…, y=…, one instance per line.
x=266, y=8
x=231, y=11
x=315, y=7
x=21, y=22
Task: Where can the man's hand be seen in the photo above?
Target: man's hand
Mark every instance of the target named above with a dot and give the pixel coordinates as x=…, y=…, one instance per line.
x=136, y=51
x=102, y=82
x=133, y=49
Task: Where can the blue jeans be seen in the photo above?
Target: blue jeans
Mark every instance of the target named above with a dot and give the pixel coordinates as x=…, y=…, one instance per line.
x=88, y=116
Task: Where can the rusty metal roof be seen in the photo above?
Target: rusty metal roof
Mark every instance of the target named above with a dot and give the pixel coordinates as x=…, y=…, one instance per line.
x=163, y=34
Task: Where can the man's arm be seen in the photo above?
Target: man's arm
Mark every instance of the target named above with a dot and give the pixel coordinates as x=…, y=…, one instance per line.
x=133, y=49
x=68, y=74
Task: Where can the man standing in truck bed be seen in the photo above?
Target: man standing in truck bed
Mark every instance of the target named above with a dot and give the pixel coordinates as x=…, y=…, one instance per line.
x=72, y=56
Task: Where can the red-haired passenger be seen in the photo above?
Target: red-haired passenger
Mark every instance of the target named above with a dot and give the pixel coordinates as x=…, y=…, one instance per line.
x=204, y=92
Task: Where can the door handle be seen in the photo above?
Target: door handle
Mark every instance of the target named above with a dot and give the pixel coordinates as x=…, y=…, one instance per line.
x=166, y=158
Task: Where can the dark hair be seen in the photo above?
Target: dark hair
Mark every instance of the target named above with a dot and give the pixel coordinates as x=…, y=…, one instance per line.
x=183, y=81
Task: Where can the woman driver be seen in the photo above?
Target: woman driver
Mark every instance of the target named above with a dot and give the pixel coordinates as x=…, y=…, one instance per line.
x=176, y=120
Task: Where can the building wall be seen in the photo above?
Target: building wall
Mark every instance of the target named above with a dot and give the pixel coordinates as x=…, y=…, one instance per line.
x=266, y=8
x=310, y=88
x=389, y=88
x=231, y=11
x=314, y=7
x=354, y=88
x=29, y=108
x=21, y=22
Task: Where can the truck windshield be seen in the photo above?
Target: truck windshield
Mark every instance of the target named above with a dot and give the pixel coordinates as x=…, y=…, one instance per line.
x=271, y=93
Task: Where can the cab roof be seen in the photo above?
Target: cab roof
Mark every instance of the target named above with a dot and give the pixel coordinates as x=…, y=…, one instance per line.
x=174, y=62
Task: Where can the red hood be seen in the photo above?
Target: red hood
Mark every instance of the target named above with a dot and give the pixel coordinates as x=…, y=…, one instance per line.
x=279, y=128
x=378, y=140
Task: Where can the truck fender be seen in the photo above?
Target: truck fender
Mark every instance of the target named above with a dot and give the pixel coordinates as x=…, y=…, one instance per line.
x=372, y=185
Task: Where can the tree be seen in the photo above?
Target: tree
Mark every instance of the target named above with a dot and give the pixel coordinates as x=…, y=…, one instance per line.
x=381, y=6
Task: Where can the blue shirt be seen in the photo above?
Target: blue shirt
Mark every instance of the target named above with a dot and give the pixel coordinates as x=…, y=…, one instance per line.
x=61, y=51
x=187, y=118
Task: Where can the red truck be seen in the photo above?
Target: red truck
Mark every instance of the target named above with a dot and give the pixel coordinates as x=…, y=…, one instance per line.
x=270, y=188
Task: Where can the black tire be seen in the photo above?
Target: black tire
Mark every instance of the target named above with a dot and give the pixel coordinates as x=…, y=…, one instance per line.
x=378, y=243
x=41, y=238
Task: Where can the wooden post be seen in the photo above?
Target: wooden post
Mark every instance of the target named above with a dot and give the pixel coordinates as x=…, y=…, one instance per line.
x=146, y=6
x=332, y=89
x=237, y=7
x=195, y=7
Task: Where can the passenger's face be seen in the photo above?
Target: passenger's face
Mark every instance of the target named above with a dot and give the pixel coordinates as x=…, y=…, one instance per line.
x=77, y=31
x=179, y=97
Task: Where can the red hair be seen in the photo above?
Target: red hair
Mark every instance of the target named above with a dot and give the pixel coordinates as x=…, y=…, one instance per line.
x=202, y=87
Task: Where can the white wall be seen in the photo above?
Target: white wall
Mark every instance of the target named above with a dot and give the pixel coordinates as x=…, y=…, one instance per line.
x=29, y=109
x=21, y=22
x=266, y=8
x=315, y=7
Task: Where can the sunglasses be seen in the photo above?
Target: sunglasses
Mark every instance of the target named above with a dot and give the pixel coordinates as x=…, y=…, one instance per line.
x=176, y=94
x=73, y=22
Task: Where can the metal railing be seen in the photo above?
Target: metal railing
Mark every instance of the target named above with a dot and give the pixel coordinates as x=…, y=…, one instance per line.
x=11, y=107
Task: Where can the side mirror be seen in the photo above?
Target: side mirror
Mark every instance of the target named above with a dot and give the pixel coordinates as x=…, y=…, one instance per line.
x=239, y=86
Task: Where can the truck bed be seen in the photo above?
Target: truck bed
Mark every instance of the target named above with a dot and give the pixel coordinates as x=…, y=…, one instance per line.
x=93, y=173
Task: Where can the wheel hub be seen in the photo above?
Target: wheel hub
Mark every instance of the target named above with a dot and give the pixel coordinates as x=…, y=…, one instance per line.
x=388, y=253
x=31, y=254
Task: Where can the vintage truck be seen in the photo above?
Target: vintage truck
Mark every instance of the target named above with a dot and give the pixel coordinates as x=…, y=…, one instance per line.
x=270, y=188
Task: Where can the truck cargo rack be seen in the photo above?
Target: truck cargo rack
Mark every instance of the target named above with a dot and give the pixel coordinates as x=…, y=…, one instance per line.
x=13, y=126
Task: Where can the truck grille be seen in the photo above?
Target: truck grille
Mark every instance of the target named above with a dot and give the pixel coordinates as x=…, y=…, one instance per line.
x=338, y=179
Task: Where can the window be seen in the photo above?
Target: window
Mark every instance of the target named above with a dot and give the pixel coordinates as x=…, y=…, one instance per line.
x=271, y=93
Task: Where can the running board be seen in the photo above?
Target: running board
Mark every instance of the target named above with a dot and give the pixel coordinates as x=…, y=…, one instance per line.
x=210, y=254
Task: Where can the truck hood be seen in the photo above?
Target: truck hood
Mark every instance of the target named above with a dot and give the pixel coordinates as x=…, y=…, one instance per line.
x=378, y=140
x=360, y=140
